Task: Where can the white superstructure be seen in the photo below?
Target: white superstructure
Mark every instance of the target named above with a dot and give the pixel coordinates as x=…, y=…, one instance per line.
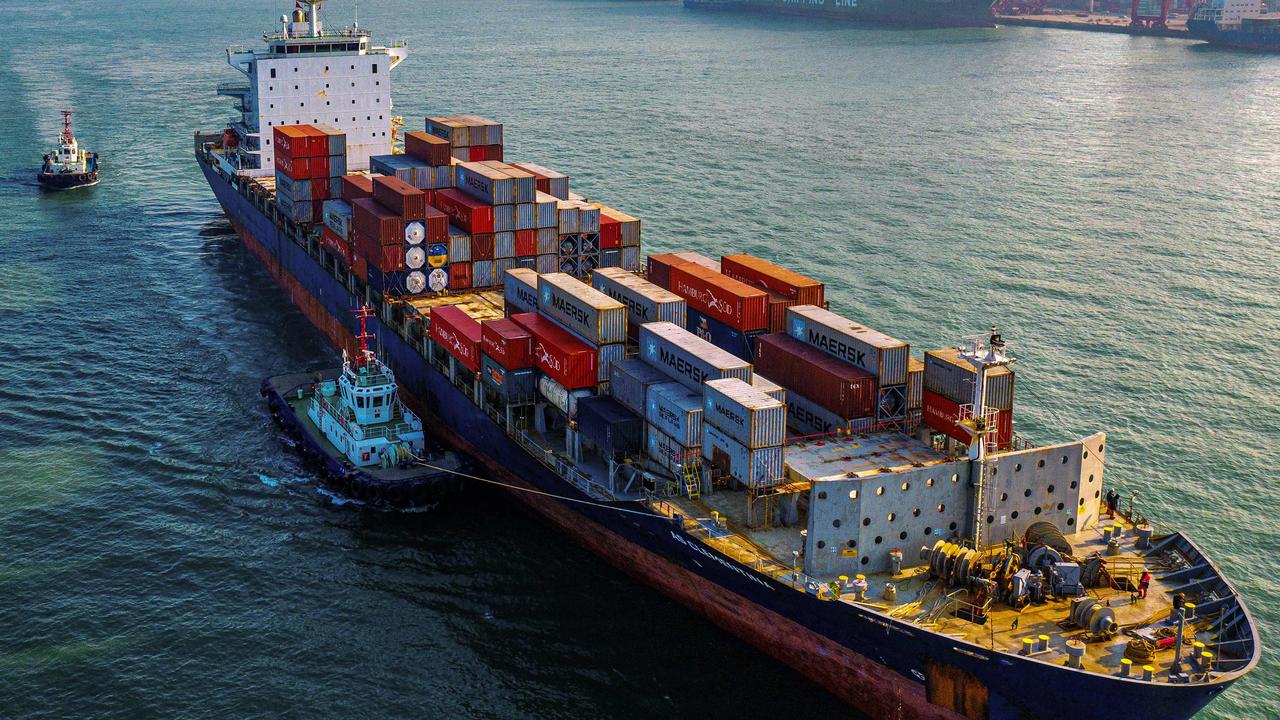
x=313, y=76
x=1228, y=13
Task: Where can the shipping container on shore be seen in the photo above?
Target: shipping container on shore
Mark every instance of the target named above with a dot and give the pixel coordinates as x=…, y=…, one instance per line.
x=427, y=147
x=676, y=411
x=645, y=302
x=548, y=181
x=507, y=343
x=687, y=358
x=669, y=455
x=942, y=414
x=948, y=375
x=556, y=352
x=733, y=303
x=400, y=197
x=722, y=336
x=744, y=413
x=762, y=273
x=845, y=390
x=885, y=357
x=380, y=225
x=753, y=468
x=465, y=211
x=809, y=419
x=915, y=384
x=355, y=187
x=609, y=425
x=337, y=217
x=512, y=386
x=630, y=380
x=458, y=334
x=769, y=387
x=589, y=313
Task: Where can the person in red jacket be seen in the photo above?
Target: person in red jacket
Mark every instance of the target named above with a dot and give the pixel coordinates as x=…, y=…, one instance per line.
x=1143, y=583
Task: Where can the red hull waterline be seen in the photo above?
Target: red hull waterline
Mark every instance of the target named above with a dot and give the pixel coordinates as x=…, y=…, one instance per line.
x=863, y=683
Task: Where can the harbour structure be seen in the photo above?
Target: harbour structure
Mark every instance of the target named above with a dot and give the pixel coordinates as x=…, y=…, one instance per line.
x=867, y=517
x=915, y=13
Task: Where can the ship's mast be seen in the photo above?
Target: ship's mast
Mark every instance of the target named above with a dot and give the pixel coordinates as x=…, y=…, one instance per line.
x=364, y=312
x=983, y=424
x=67, y=137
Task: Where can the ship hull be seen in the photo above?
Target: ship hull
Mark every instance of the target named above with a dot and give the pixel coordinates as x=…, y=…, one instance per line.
x=1239, y=39
x=910, y=13
x=885, y=667
x=66, y=181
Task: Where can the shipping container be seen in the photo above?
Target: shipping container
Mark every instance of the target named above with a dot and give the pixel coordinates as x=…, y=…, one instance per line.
x=556, y=352
x=401, y=167
x=645, y=302
x=485, y=183
x=843, y=389
x=449, y=128
x=500, y=268
x=526, y=243
x=915, y=384
x=520, y=292
x=400, y=197
x=676, y=411
x=459, y=244
x=510, y=386
x=883, y=356
x=300, y=211
x=386, y=258
x=769, y=387
x=607, y=356
x=808, y=419
x=308, y=168
x=942, y=414
x=338, y=246
x=591, y=314
x=294, y=190
x=337, y=166
x=355, y=187
x=298, y=141
x=545, y=209
x=658, y=268
x=630, y=259
x=790, y=285
x=611, y=259
x=504, y=218
x=465, y=211
x=433, y=177
x=547, y=181
x=561, y=397
x=629, y=380
x=753, y=468
x=778, y=311
x=547, y=263
x=482, y=246
x=744, y=413
x=427, y=147
x=948, y=375
x=623, y=229
x=721, y=335
x=459, y=275
x=483, y=130
x=687, y=358
x=526, y=215
x=483, y=274
x=733, y=303
x=548, y=239
x=527, y=263
x=335, y=139
x=612, y=428
x=458, y=334
x=337, y=217
x=504, y=245
x=669, y=455
x=568, y=217
x=507, y=343
x=610, y=233
x=588, y=219
x=371, y=220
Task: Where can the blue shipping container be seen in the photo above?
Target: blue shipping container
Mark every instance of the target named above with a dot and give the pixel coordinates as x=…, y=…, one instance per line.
x=513, y=386
x=808, y=418
x=664, y=450
x=629, y=381
x=687, y=358
x=520, y=292
x=609, y=425
x=676, y=411
x=741, y=344
x=753, y=468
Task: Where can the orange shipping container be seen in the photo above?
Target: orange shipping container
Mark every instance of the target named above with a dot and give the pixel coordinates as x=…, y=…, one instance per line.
x=791, y=285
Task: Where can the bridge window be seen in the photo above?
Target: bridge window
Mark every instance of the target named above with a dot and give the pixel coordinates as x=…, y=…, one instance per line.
x=273, y=73
x=375, y=68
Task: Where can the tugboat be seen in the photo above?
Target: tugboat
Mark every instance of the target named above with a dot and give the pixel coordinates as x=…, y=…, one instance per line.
x=68, y=166
x=351, y=419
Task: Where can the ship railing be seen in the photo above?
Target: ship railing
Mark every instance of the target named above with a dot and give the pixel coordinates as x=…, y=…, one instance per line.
x=1130, y=509
x=233, y=88
x=346, y=32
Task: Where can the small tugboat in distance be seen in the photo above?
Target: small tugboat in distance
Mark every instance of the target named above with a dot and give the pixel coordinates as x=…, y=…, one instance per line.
x=352, y=420
x=68, y=166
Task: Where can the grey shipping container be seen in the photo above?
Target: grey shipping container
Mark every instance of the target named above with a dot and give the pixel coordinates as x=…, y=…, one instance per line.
x=746, y=414
x=598, y=318
x=915, y=384
x=300, y=211
x=883, y=356
x=433, y=177
x=512, y=386
x=520, y=291
x=946, y=374
x=666, y=452
x=807, y=418
x=485, y=183
x=754, y=468
x=687, y=358
x=295, y=190
x=610, y=258
x=526, y=216
x=769, y=387
x=568, y=217
x=337, y=217
x=504, y=218
x=459, y=245
x=629, y=380
x=548, y=239
x=504, y=244
x=546, y=263
x=612, y=427
x=645, y=301
x=675, y=410
x=501, y=267
x=400, y=166
x=545, y=211
x=483, y=274
x=631, y=259
x=607, y=355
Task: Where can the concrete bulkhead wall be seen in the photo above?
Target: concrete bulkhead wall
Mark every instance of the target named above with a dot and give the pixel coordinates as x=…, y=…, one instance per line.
x=934, y=502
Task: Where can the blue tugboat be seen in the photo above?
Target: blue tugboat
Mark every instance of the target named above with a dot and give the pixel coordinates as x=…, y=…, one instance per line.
x=68, y=165
x=352, y=421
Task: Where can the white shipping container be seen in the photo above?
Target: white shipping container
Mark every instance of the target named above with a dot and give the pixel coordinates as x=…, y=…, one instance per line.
x=883, y=356
x=687, y=358
x=769, y=387
x=337, y=217
x=520, y=291
x=564, y=399
x=748, y=415
x=645, y=301
x=596, y=317
x=666, y=452
x=754, y=468
x=675, y=410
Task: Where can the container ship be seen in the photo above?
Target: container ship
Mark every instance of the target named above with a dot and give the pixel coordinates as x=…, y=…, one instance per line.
x=913, y=13
x=1239, y=24
x=862, y=512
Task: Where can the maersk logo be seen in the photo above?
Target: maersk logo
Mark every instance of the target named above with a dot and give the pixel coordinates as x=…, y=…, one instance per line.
x=681, y=366
x=726, y=413
x=839, y=349
x=546, y=295
x=651, y=349
x=797, y=327
x=568, y=309
x=638, y=311
x=810, y=419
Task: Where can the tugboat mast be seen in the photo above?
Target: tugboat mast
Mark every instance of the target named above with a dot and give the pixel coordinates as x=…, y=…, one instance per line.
x=67, y=137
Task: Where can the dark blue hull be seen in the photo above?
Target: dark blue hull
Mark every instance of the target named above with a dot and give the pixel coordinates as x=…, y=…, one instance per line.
x=1257, y=40
x=886, y=667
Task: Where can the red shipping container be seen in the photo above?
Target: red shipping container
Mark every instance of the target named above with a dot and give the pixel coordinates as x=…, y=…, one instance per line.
x=355, y=187
x=659, y=266
x=755, y=271
x=478, y=153
x=465, y=211
x=427, y=147
x=387, y=258
x=526, y=243
x=458, y=334
x=778, y=311
x=610, y=233
x=832, y=383
x=734, y=303
x=400, y=197
x=510, y=345
x=437, y=224
x=320, y=190
x=299, y=141
x=942, y=415
x=379, y=224
x=482, y=247
x=459, y=275
x=493, y=152
x=359, y=266
x=337, y=246
x=558, y=353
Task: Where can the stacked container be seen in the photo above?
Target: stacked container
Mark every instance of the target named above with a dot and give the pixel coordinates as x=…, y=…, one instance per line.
x=743, y=431
x=403, y=239
x=586, y=312
x=499, y=205
x=948, y=383
x=549, y=181
x=915, y=391
x=883, y=356
x=471, y=137
x=506, y=361
x=559, y=354
x=520, y=291
x=686, y=358
x=645, y=301
x=719, y=297
x=842, y=389
x=785, y=287
x=609, y=425
x=310, y=162
x=337, y=234
x=658, y=267
x=578, y=245
x=458, y=334
x=629, y=383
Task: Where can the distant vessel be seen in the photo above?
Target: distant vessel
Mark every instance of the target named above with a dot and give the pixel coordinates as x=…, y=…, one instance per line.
x=1236, y=23
x=352, y=419
x=68, y=166
x=922, y=13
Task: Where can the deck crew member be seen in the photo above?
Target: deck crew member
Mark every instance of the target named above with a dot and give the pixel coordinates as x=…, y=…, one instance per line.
x=1144, y=582
x=1113, y=499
